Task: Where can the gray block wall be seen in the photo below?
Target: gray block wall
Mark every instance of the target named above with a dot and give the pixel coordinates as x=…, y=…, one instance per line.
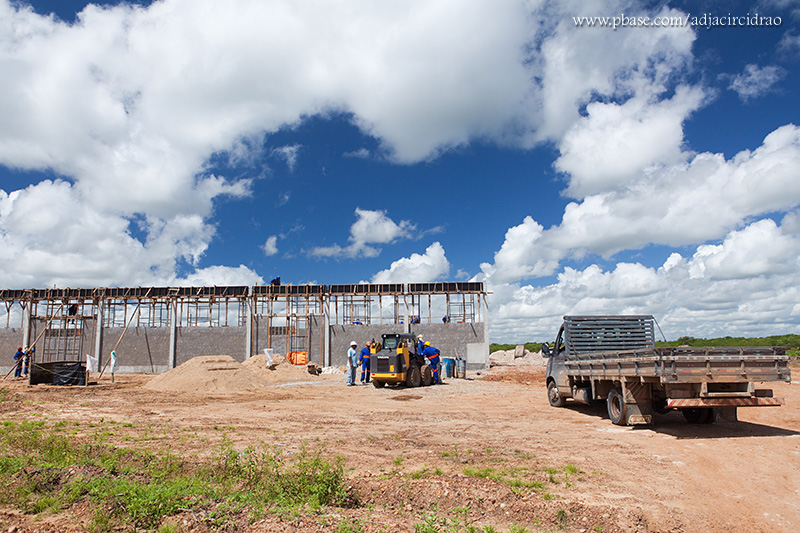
x=342, y=336
x=192, y=342
x=140, y=350
x=146, y=349
x=10, y=340
x=457, y=341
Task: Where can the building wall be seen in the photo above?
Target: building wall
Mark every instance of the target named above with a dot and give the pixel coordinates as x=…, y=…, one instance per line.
x=10, y=340
x=145, y=349
x=140, y=349
x=457, y=341
x=191, y=342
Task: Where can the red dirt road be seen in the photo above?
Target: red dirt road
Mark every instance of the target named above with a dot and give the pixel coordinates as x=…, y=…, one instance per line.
x=417, y=453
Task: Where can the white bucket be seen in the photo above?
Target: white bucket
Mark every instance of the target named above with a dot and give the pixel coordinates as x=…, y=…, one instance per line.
x=268, y=353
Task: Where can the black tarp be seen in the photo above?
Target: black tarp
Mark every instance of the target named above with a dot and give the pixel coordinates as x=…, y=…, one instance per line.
x=69, y=374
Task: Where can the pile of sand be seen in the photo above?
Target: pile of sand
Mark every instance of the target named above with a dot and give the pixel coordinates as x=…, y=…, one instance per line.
x=209, y=374
x=281, y=371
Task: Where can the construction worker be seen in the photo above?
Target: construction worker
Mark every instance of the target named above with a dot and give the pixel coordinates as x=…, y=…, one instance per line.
x=18, y=357
x=431, y=355
x=364, y=359
x=420, y=345
x=26, y=360
x=352, y=362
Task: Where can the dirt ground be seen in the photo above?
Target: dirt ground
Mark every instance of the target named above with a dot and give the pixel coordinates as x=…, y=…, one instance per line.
x=671, y=476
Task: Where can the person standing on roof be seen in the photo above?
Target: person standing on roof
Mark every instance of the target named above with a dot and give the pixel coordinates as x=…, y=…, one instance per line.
x=364, y=359
x=352, y=362
x=431, y=355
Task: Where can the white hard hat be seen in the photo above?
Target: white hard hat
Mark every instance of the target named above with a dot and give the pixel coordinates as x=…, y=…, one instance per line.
x=354, y=343
x=419, y=336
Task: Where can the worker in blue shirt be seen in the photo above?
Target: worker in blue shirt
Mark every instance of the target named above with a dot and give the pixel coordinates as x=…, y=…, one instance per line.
x=431, y=354
x=364, y=358
x=18, y=357
x=420, y=345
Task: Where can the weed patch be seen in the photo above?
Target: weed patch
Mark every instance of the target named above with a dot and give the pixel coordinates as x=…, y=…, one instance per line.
x=42, y=470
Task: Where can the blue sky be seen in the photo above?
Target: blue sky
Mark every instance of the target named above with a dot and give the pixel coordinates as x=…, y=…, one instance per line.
x=573, y=170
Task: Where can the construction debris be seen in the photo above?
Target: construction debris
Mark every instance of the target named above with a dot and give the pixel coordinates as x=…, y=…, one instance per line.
x=519, y=356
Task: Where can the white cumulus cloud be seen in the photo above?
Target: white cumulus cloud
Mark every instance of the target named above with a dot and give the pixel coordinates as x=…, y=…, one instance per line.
x=756, y=81
x=371, y=227
x=418, y=268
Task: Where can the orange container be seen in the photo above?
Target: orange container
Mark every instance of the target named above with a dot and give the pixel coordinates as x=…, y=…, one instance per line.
x=297, y=358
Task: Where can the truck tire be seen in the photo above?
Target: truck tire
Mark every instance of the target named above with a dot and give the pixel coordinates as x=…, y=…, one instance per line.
x=617, y=410
x=556, y=400
x=413, y=378
x=378, y=384
x=696, y=415
x=427, y=376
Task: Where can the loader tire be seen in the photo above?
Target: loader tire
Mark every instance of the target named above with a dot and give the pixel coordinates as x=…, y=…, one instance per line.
x=427, y=376
x=378, y=384
x=617, y=410
x=413, y=378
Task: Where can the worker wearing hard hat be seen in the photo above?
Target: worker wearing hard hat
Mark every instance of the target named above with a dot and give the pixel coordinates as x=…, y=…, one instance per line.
x=364, y=358
x=420, y=344
x=431, y=354
x=352, y=362
x=18, y=362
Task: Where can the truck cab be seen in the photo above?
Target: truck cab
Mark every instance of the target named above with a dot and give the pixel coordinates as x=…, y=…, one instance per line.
x=558, y=387
x=580, y=337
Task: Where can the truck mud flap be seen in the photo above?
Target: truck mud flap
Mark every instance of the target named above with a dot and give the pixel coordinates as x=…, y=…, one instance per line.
x=724, y=402
x=638, y=400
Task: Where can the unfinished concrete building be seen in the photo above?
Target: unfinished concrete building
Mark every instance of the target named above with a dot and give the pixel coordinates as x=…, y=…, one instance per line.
x=155, y=329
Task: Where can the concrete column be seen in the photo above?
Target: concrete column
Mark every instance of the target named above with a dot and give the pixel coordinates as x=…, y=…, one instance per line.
x=248, y=341
x=326, y=319
x=407, y=327
x=173, y=334
x=26, y=323
x=98, y=334
x=486, y=328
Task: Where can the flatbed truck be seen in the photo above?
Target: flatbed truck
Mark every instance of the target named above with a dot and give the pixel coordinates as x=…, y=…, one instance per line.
x=614, y=358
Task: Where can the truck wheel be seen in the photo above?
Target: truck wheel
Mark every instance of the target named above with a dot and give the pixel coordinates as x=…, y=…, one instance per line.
x=378, y=384
x=556, y=400
x=617, y=411
x=427, y=376
x=413, y=377
x=696, y=415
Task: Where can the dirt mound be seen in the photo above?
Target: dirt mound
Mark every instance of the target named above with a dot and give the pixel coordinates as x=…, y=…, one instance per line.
x=281, y=371
x=526, y=375
x=208, y=374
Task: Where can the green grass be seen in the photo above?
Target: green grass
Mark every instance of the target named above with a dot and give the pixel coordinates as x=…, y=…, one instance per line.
x=790, y=340
x=530, y=346
x=43, y=471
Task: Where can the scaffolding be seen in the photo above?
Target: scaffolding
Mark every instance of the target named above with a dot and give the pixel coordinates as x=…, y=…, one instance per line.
x=67, y=324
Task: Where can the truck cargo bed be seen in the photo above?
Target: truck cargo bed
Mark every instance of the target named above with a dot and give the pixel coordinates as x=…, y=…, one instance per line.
x=674, y=365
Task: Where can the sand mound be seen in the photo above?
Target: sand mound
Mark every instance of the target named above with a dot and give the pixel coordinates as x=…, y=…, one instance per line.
x=208, y=374
x=281, y=371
